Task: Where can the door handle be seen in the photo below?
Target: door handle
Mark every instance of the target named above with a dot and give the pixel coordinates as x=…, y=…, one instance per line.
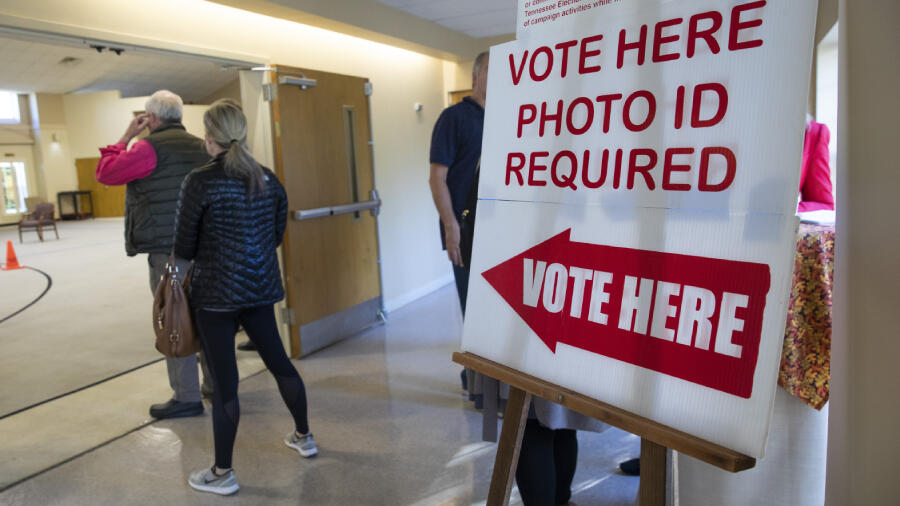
x=373, y=205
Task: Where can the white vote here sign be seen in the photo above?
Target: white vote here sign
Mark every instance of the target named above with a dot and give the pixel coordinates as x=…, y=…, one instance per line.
x=636, y=220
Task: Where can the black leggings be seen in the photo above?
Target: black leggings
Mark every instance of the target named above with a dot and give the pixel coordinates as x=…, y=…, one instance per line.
x=546, y=465
x=217, y=330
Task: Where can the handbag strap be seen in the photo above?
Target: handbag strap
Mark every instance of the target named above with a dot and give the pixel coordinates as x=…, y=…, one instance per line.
x=172, y=269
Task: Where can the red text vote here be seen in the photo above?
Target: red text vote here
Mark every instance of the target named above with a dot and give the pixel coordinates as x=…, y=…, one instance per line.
x=698, y=319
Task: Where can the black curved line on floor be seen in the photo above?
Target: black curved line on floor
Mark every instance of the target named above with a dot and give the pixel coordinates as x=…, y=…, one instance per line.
x=26, y=408
x=39, y=297
x=78, y=455
x=79, y=389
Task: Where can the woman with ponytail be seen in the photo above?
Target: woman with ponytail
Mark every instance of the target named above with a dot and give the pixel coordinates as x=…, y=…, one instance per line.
x=232, y=213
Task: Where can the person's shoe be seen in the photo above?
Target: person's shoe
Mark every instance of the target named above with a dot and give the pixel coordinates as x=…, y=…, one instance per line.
x=247, y=345
x=631, y=467
x=176, y=409
x=306, y=445
x=207, y=480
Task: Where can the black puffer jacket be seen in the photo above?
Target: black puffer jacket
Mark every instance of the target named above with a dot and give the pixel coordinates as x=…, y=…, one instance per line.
x=231, y=238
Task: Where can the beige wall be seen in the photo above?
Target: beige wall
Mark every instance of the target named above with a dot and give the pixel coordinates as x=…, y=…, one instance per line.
x=865, y=412
x=373, y=20
x=54, y=165
x=458, y=75
x=98, y=119
x=231, y=90
x=413, y=262
x=50, y=108
x=15, y=135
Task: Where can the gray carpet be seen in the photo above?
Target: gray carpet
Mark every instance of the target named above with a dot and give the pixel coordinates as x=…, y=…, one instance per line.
x=92, y=324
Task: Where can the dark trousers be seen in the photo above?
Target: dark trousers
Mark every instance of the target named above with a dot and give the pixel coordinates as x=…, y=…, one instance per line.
x=217, y=330
x=546, y=465
x=461, y=275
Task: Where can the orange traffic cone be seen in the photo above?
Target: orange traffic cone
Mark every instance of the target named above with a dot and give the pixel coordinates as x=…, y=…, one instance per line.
x=12, y=262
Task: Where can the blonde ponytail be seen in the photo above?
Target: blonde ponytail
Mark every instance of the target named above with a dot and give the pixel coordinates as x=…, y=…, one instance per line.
x=226, y=125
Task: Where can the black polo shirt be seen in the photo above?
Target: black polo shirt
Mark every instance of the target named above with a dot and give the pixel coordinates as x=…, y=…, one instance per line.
x=456, y=143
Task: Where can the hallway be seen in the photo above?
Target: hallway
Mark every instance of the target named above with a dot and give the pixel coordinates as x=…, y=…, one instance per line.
x=392, y=426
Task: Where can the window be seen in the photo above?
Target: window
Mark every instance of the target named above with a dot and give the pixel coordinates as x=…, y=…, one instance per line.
x=14, y=187
x=9, y=107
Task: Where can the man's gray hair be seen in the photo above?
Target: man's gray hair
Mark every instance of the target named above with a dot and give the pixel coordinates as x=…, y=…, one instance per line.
x=479, y=62
x=166, y=106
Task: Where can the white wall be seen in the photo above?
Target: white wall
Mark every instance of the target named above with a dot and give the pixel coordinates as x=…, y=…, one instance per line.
x=864, y=414
x=412, y=259
x=827, y=94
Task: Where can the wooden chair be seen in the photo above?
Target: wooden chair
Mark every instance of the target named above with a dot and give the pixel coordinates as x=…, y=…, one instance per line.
x=31, y=202
x=41, y=217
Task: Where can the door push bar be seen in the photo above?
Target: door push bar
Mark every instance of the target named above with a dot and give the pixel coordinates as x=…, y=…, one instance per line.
x=373, y=205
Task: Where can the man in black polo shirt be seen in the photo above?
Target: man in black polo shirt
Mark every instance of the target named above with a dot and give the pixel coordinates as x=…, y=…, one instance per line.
x=455, y=151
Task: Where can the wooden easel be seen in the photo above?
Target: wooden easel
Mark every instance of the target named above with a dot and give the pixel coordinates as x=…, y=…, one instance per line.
x=656, y=438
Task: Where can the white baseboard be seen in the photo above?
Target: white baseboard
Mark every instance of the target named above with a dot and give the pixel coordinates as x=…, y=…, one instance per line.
x=413, y=295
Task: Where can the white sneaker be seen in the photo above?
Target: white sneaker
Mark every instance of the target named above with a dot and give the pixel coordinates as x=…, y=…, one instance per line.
x=208, y=481
x=306, y=445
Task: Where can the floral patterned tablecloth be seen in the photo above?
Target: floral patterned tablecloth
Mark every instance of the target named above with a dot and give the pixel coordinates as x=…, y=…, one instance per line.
x=806, y=358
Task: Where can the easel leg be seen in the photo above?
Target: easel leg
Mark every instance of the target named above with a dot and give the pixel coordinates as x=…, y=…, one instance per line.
x=652, y=491
x=491, y=390
x=508, y=450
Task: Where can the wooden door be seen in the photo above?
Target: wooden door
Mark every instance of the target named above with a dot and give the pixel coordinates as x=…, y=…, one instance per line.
x=108, y=201
x=323, y=156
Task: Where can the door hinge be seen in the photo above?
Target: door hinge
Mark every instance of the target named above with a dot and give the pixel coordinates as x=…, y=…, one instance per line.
x=368, y=89
x=287, y=316
x=270, y=92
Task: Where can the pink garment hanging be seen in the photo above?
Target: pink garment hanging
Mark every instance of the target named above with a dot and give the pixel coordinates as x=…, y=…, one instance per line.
x=815, y=175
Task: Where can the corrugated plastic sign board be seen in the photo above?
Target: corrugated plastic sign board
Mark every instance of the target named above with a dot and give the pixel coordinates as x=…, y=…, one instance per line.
x=636, y=226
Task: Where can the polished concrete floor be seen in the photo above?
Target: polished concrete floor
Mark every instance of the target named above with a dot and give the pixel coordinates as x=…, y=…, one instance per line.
x=385, y=406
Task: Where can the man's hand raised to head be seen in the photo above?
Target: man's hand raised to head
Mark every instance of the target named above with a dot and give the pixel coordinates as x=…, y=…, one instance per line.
x=138, y=124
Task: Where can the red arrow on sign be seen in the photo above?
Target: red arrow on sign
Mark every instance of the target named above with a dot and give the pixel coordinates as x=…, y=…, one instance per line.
x=694, y=318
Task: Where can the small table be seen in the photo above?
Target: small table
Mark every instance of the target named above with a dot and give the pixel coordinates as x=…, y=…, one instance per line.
x=76, y=201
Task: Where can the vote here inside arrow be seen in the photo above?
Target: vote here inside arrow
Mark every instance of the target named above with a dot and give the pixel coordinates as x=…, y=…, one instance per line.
x=695, y=318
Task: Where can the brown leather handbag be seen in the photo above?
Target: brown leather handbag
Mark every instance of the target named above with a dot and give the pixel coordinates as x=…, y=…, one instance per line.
x=173, y=321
